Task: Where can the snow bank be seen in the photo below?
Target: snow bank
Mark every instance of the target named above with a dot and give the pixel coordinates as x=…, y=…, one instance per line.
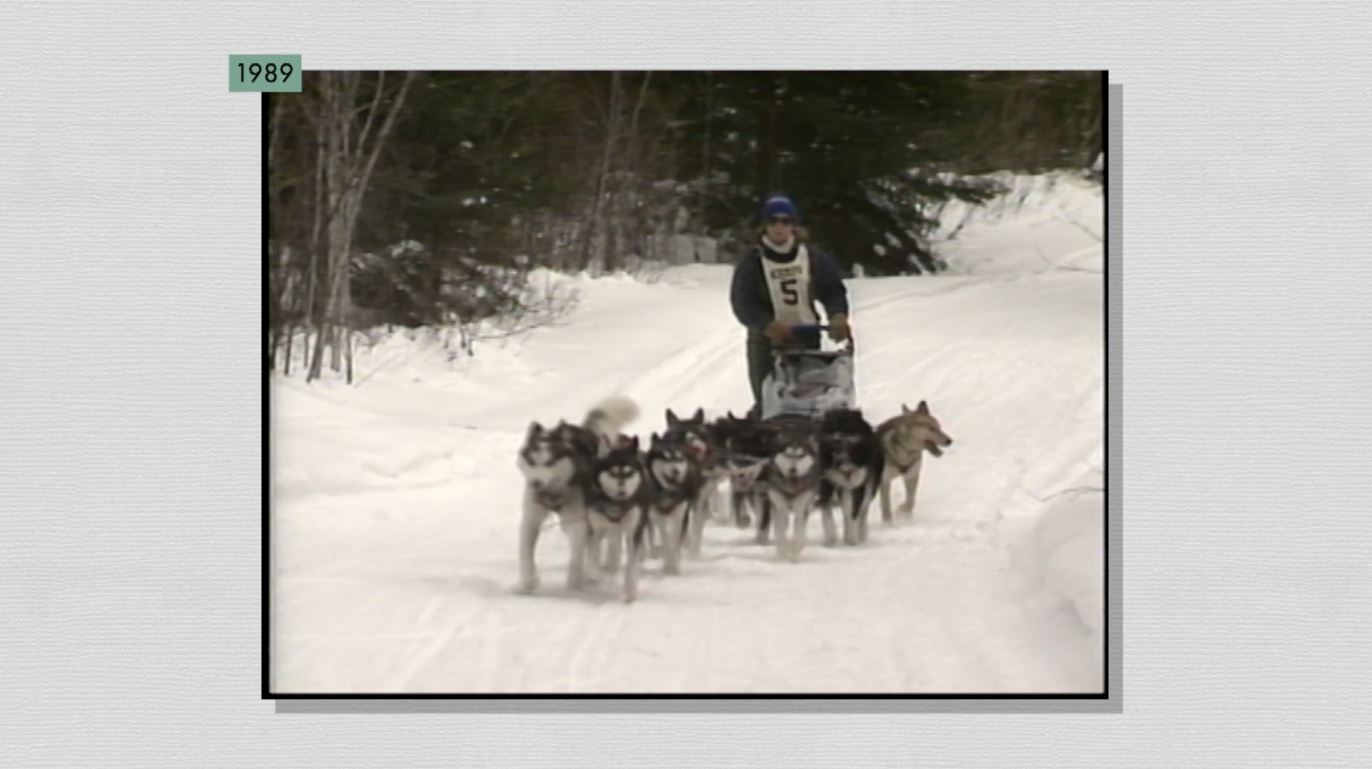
x=1067, y=548
x=1005, y=234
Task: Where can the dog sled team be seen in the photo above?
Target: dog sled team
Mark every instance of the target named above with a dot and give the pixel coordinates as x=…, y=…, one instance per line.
x=804, y=446
x=619, y=502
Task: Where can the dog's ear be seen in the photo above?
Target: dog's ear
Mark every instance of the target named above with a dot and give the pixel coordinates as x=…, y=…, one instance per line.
x=923, y=408
x=535, y=429
x=904, y=409
x=671, y=419
x=634, y=442
x=699, y=415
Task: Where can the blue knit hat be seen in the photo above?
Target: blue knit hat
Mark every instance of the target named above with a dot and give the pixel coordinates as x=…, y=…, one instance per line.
x=779, y=205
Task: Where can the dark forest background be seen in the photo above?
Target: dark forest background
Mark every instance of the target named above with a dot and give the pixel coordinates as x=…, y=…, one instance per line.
x=425, y=198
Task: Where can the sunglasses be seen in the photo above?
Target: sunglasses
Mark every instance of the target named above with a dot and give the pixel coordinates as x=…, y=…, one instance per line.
x=780, y=220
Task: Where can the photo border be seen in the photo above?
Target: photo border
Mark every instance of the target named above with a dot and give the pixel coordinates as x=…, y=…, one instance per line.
x=1109, y=699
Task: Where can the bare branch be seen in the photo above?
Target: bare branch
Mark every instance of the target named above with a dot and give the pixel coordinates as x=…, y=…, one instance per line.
x=381, y=137
x=371, y=112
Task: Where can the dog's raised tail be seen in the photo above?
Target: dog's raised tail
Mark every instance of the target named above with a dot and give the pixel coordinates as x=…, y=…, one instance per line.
x=610, y=416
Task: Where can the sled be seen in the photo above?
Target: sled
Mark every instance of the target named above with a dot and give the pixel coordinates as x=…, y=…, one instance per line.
x=809, y=382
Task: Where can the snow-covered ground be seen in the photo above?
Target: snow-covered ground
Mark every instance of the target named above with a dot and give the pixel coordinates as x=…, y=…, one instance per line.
x=395, y=502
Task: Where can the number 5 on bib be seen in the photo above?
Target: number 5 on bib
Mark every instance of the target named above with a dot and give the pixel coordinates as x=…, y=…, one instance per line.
x=788, y=291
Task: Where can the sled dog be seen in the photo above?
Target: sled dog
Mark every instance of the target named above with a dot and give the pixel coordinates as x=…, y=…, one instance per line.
x=616, y=503
x=556, y=465
x=699, y=439
x=853, y=463
x=904, y=439
x=675, y=485
x=744, y=446
x=791, y=479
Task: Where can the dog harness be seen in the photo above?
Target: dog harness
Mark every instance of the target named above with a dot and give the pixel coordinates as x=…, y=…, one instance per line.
x=615, y=510
x=665, y=506
x=802, y=483
x=551, y=501
x=904, y=468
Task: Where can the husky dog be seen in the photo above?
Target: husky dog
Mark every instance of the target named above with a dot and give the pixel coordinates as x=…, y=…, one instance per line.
x=702, y=451
x=853, y=463
x=904, y=439
x=616, y=501
x=676, y=484
x=793, y=474
x=744, y=446
x=556, y=465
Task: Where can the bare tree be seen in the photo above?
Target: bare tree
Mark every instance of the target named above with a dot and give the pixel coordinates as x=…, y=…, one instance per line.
x=349, y=138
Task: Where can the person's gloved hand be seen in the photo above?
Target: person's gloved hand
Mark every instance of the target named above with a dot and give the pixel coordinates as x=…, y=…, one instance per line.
x=778, y=332
x=838, y=327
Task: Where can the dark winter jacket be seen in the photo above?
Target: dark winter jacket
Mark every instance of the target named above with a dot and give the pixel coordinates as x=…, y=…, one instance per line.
x=753, y=304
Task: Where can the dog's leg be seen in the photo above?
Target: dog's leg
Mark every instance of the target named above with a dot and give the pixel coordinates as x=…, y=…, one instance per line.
x=652, y=538
x=884, y=489
x=577, y=531
x=848, y=502
x=764, y=516
x=800, y=518
x=826, y=513
x=672, y=540
x=614, y=545
x=911, y=478
x=705, y=502
x=862, y=507
x=739, y=500
x=595, y=536
x=633, y=532
x=780, y=520
x=529, y=527
x=697, y=539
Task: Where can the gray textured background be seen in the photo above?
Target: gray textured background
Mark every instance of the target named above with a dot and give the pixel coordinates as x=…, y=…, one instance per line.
x=130, y=456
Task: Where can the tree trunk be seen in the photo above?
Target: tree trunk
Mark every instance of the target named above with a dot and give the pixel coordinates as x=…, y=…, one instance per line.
x=346, y=167
x=595, y=227
x=703, y=204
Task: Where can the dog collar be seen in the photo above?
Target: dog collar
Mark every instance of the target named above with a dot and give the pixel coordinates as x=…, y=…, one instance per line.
x=663, y=507
x=616, y=509
x=799, y=485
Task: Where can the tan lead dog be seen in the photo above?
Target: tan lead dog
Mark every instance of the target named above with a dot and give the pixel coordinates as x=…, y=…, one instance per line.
x=904, y=439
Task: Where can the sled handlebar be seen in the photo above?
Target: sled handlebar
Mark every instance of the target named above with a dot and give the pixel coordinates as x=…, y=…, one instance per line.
x=817, y=328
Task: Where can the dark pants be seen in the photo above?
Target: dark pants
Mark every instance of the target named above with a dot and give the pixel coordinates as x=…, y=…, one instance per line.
x=760, y=361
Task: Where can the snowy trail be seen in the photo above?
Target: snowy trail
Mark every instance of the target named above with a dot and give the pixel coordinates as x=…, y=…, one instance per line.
x=396, y=504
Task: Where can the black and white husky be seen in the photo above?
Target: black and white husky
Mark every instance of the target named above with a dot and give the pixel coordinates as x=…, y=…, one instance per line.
x=792, y=477
x=853, y=464
x=556, y=464
x=676, y=483
x=745, y=445
x=702, y=451
x=616, y=502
